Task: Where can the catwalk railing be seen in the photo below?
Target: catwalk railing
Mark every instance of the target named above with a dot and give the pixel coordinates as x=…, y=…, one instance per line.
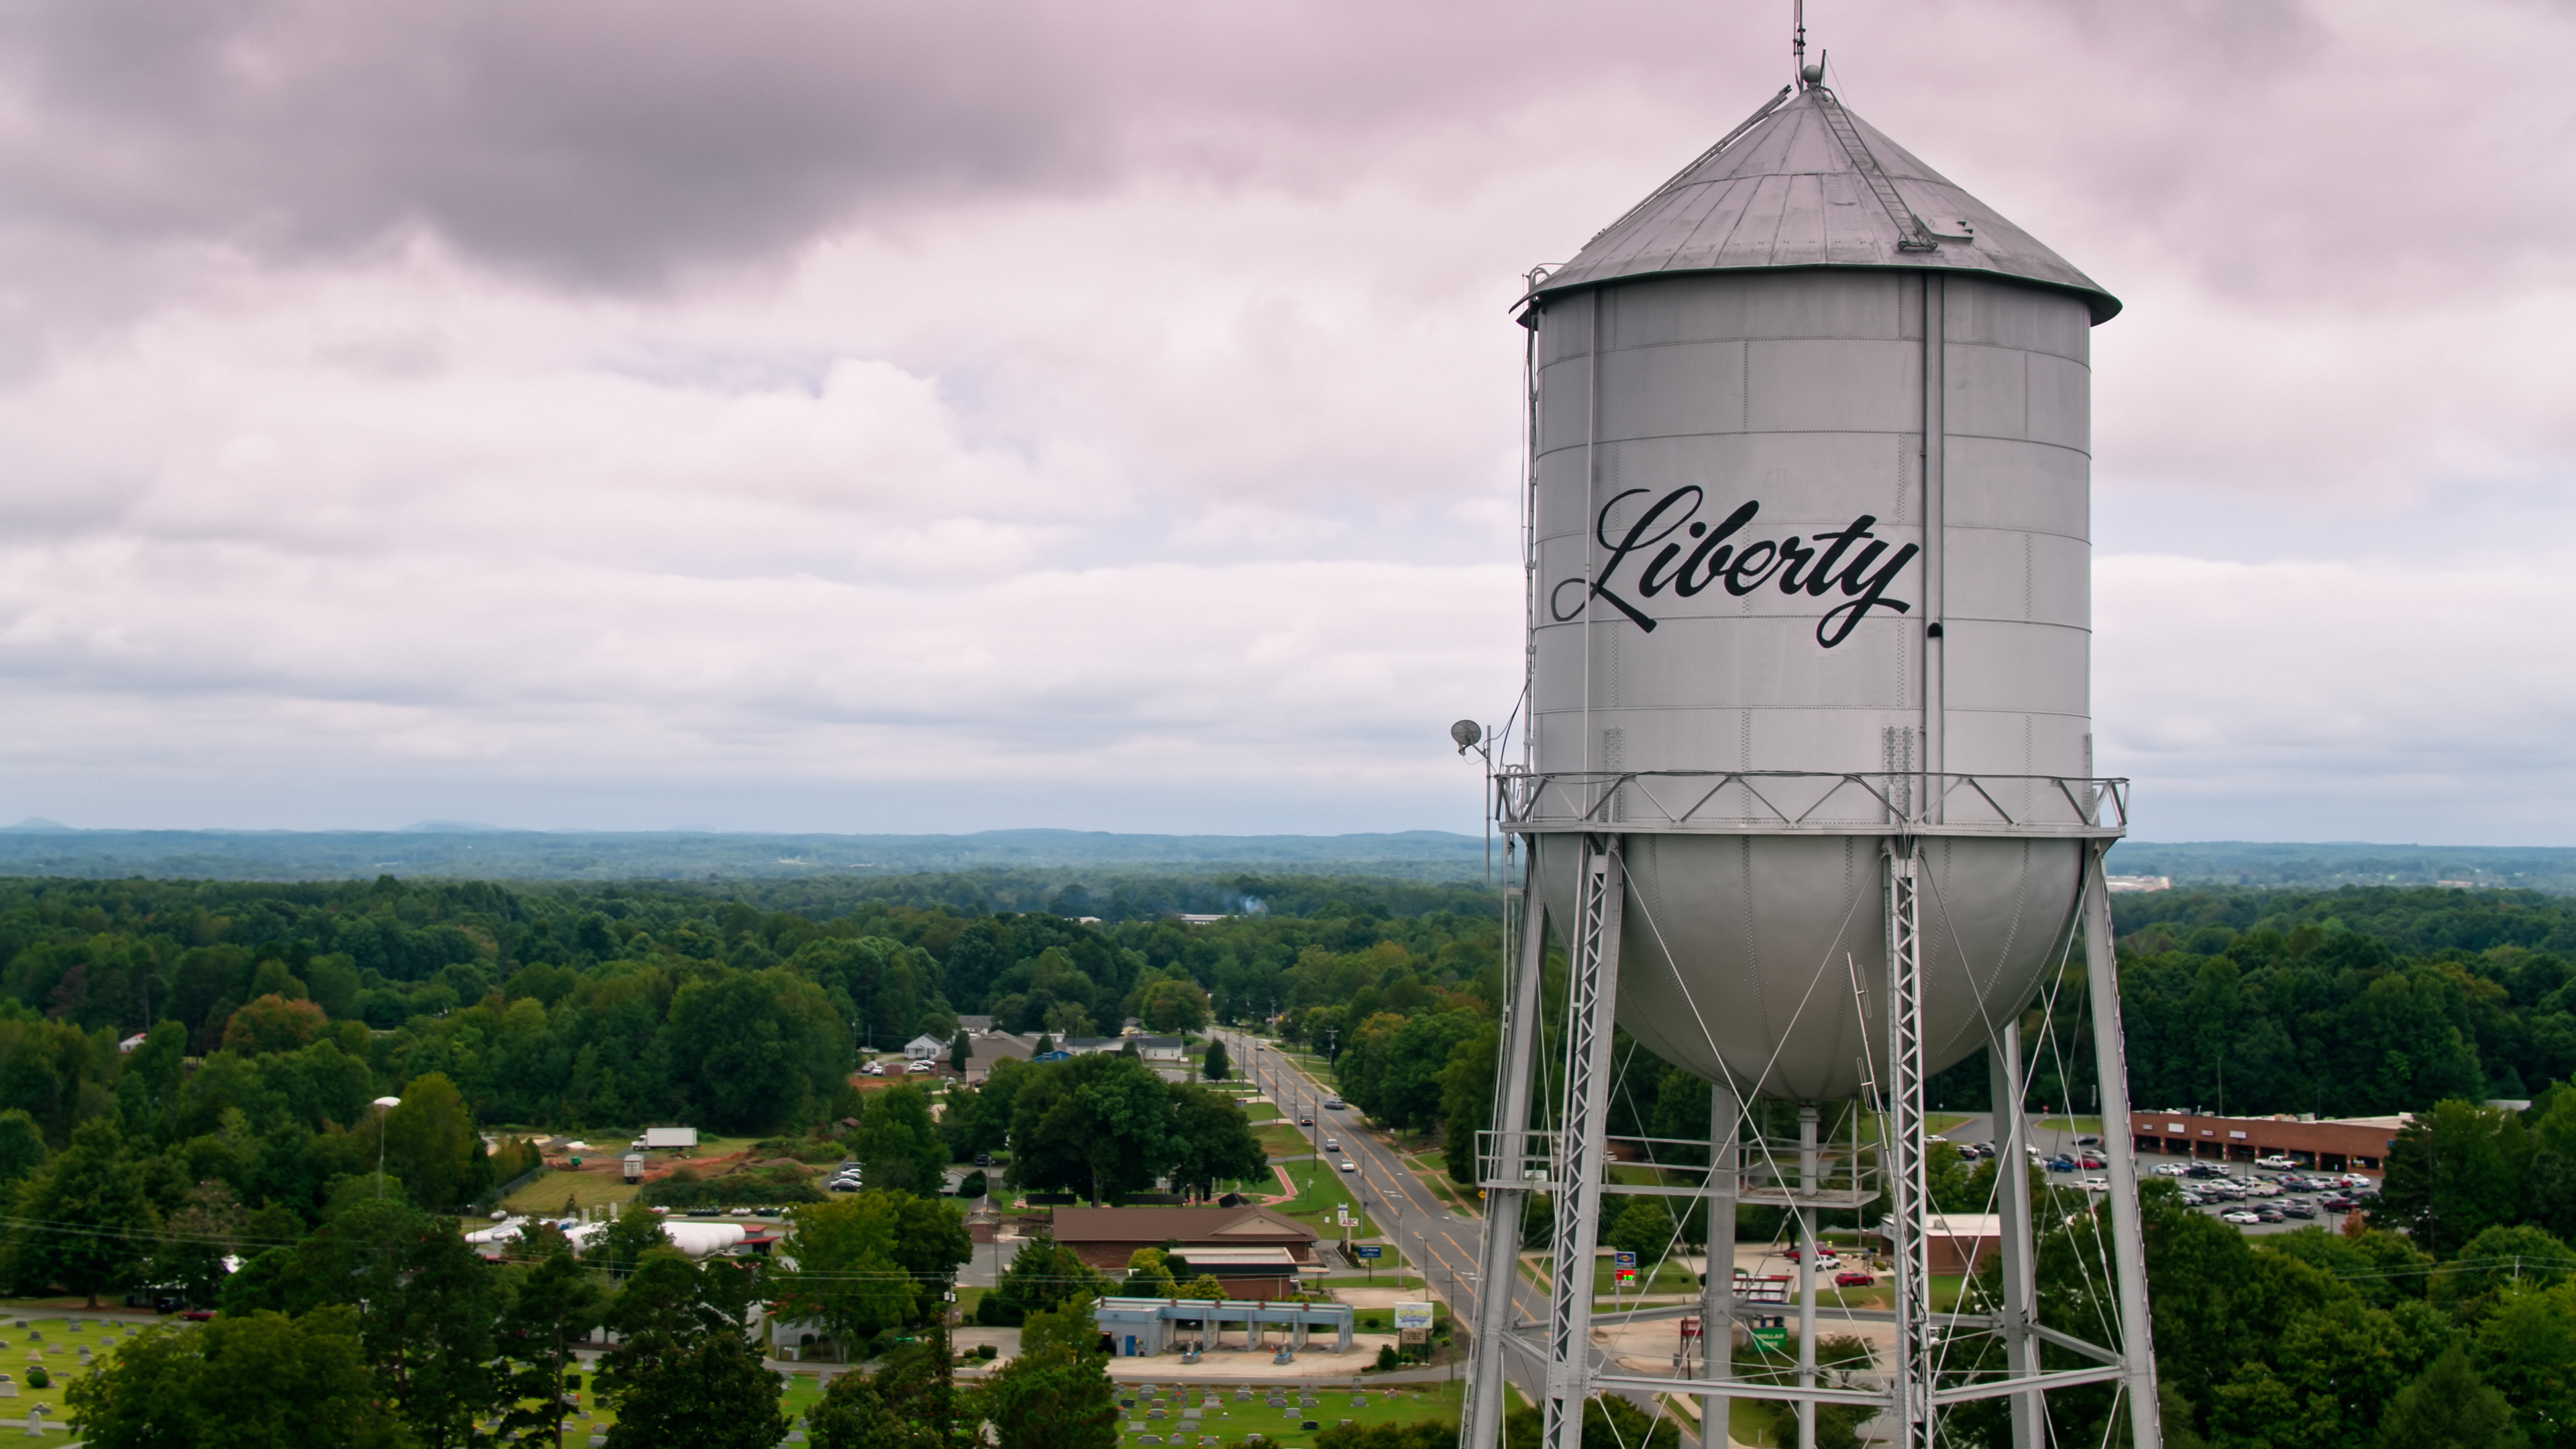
x=1773, y=802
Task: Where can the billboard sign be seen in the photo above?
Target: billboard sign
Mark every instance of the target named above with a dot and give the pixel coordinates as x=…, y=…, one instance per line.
x=1369, y=1250
x=1412, y=1316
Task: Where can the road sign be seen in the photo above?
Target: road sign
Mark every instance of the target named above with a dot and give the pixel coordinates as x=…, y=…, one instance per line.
x=1413, y=1315
x=1624, y=1260
x=1369, y=1250
x=1690, y=1328
x=1627, y=1277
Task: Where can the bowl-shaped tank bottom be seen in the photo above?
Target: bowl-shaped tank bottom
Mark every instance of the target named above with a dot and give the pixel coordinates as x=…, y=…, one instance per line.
x=1762, y=959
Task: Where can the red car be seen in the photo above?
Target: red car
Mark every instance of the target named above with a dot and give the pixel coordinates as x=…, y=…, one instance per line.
x=1853, y=1280
x=2088, y=1162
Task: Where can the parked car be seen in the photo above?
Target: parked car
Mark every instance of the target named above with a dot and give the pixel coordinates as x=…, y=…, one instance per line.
x=2297, y=1209
x=2354, y=1179
x=2268, y=1215
x=2337, y=1204
x=2088, y=1141
x=2088, y=1162
x=1853, y=1279
x=2278, y=1161
x=2204, y=1170
x=2193, y=1199
x=2240, y=1217
x=2061, y=1163
x=2170, y=1169
x=2097, y=1184
x=983, y=1159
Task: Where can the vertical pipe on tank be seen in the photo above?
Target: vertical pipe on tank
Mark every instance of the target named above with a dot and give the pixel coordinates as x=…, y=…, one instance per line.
x=1935, y=522
x=2128, y=1242
x=1592, y=1000
x=1503, y=1205
x=1807, y=1185
x=1717, y=1286
x=2012, y=1196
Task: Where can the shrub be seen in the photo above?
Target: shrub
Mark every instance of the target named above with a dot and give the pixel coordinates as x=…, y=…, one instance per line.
x=37, y=1378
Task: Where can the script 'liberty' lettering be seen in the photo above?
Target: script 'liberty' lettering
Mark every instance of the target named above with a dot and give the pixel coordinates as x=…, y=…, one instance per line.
x=1851, y=558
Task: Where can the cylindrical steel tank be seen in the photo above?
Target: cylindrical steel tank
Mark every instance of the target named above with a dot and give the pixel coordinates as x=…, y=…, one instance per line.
x=1810, y=567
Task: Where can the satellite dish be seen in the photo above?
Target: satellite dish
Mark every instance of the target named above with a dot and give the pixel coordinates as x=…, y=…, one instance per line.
x=1466, y=732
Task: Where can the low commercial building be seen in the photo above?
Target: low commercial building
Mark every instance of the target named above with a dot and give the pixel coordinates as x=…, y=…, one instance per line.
x=2346, y=1144
x=1257, y=1254
x=1139, y=1326
x=1961, y=1242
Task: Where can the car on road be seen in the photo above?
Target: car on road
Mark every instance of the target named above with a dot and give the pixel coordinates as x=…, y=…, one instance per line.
x=2240, y=1217
x=1332, y=1144
x=1854, y=1279
x=1349, y=1166
x=1332, y=1104
x=1305, y=1119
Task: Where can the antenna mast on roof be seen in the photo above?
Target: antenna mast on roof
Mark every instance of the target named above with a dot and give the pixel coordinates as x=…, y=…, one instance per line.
x=1798, y=42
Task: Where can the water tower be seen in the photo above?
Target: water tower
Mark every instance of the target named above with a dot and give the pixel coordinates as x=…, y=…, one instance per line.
x=1807, y=789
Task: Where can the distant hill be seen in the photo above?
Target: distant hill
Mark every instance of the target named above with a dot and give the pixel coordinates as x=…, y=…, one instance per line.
x=465, y=851
x=437, y=849
x=2338, y=863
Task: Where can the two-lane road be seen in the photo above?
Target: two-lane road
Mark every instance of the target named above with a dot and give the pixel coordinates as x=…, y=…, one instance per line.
x=1443, y=1245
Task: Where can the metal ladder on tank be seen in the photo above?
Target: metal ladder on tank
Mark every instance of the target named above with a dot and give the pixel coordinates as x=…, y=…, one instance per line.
x=1911, y=234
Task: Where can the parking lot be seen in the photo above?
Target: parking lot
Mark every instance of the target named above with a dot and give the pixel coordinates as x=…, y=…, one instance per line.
x=2279, y=1198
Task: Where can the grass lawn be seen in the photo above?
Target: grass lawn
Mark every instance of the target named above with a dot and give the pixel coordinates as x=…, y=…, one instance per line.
x=1284, y=1141
x=1389, y=1404
x=1668, y=1278
x=1316, y=1199
x=1430, y=1160
x=548, y=1191
x=1257, y=1112
x=1937, y=1123
x=2079, y=1125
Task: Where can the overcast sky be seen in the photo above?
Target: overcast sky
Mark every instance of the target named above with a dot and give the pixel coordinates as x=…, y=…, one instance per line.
x=819, y=415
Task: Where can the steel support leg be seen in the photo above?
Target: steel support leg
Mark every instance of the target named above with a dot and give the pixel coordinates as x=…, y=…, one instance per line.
x=1482, y=1425
x=1809, y=1179
x=2012, y=1200
x=2128, y=1242
x=1717, y=1293
x=1593, y=994
x=1910, y=1373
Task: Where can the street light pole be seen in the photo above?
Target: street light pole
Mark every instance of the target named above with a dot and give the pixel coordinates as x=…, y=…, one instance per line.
x=382, y=1105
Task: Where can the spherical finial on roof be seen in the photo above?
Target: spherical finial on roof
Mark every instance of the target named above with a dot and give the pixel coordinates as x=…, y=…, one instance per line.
x=1812, y=74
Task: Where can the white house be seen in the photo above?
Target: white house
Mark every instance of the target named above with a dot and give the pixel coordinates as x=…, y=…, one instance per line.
x=1161, y=1049
x=924, y=1048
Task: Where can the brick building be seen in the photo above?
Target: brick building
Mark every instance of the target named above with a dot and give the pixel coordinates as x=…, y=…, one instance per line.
x=1255, y=1252
x=2350, y=1144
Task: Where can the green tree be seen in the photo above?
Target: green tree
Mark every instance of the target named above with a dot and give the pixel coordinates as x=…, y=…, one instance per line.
x=757, y=1049
x=961, y=1050
x=1175, y=1006
x=1041, y=1275
x=897, y=1144
x=908, y=1402
x=2526, y=1348
x=2450, y=1408
x=1608, y=1423
x=94, y=1190
x=1216, y=1066
x=1055, y=1393
x=195, y=1240
x=430, y=1142
x=274, y=1024
x=1467, y=1100
x=22, y=1147
x=622, y=1244
x=1095, y=1124
x=266, y=1381
x=683, y=1372
x=552, y=1305
x=2456, y=1171
x=845, y=1276
x=1211, y=1142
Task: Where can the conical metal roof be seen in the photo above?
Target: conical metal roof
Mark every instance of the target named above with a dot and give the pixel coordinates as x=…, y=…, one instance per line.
x=1805, y=183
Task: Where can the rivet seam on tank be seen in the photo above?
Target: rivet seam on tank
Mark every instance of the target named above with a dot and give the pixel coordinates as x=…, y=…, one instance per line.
x=1743, y=567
